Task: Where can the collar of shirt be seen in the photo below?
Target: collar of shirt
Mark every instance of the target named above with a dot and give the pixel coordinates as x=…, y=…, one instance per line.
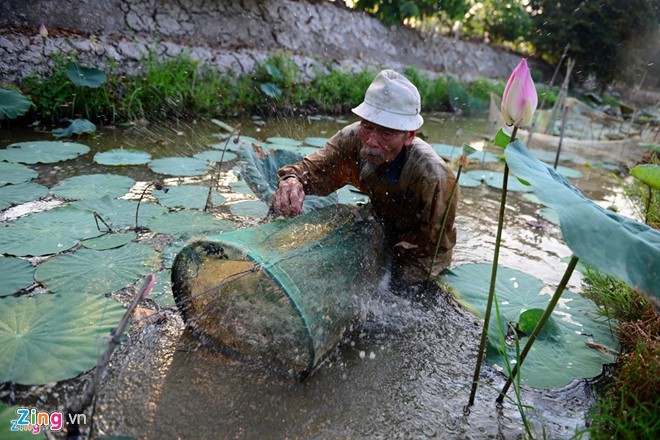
x=393, y=171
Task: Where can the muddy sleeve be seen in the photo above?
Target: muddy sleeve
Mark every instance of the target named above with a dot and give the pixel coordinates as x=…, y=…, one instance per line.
x=328, y=169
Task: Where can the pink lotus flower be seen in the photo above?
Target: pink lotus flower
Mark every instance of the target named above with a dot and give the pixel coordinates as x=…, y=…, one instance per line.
x=519, y=99
x=43, y=31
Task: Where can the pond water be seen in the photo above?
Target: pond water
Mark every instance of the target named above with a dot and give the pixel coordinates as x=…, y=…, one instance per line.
x=406, y=373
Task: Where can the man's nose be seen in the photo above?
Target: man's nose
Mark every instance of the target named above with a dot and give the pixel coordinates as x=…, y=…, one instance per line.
x=373, y=140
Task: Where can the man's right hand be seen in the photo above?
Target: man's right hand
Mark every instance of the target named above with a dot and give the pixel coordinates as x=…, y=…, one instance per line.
x=289, y=197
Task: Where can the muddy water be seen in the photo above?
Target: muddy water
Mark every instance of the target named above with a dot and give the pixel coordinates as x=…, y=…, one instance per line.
x=405, y=373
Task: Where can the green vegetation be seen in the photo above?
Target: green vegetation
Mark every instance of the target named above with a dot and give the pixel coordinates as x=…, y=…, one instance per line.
x=629, y=404
x=185, y=87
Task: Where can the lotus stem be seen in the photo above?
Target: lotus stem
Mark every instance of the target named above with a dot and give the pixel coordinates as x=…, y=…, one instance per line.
x=539, y=325
x=444, y=223
x=493, y=277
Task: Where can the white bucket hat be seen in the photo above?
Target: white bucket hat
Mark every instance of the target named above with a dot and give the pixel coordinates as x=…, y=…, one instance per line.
x=391, y=101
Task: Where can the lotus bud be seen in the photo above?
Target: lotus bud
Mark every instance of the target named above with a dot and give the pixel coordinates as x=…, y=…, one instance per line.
x=43, y=31
x=519, y=99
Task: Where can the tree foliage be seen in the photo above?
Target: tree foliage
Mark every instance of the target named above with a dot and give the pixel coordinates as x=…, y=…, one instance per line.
x=609, y=39
x=393, y=12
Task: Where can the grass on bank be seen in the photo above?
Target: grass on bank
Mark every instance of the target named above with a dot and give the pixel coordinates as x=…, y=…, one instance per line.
x=628, y=406
x=184, y=87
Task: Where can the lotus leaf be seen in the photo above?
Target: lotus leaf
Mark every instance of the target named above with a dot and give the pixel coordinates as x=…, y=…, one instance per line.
x=82, y=76
x=108, y=241
x=447, y=151
x=494, y=179
x=250, y=208
x=216, y=156
x=42, y=152
x=485, y=156
x=316, y=141
x=13, y=173
x=119, y=213
x=242, y=187
x=563, y=353
x=350, y=195
x=284, y=141
x=648, y=174
x=306, y=151
x=89, y=271
x=231, y=145
x=569, y=172
x=23, y=192
x=46, y=338
x=47, y=232
x=76, y=126
x=170, y=252
x=550, y=215
x=601, y=238
x=179, y=223
x=180, y=166
x=187, y=196
x=468, y=180
x=223, y=125
x=271, y=90
x=93, y=186
x=17, y=274
x=283, y=147
x=122, y=157
x=13, y=104
x=162, y=290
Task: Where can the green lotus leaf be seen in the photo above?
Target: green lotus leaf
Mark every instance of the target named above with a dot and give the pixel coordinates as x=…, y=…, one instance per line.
x=223, y=125
x=7, y=414
x=76, y=126
x=231, y=145
x=249, y=208
x=108, y=241
x=42, y=152
x=11, y=195
x=350, y=195
x=306, y=151
x=119, y=213
x=528, y=320
x=569, y=172
x=316, y=141
x=93, y=186
x=284, y=147
x=216, y=156
x=563, y=353
x=13, y=173
x=502, y=138
x=271, y=90
x=17, y=274
x=95, y=272
x=13, y=104
x=162, y=290
x=180, y=166
x=47, y=338
x=284, y=141
x=469, y=181
x=82, y=76
x=187, y=196
x=614, y=244
x=648, y=174
x=170, y=252
x=241, y=186
x=494, y=179
x=649, y=146
x=122, y=157
x=485, y=156
x=550, y=215
x=179, y=223
x=48, y=232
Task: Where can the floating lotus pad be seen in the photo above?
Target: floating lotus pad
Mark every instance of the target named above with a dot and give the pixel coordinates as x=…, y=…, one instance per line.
x=23, y=192
x=242, y=187
x=485, y=156
x=216, y=156
x=350, y=195
x=47, y=338
x=250, y=208
x=47, y=232
x=180, y=166
x=187, y=196
x=93, y=186
x=13, y=173
x=560, y=354
x=93, y=272
x=494, y=179
x=76, y=126
x=119, y=213
x=122, y=157
x=169, y=253
x=569, y=172
x=179, y=223
x=16, y=273
x=448, y=151
x=42, y=152
x=316, y=141
x=284, y=141
x=469, y=181
x=162, y=290
x=285, y=147
x=108, y=241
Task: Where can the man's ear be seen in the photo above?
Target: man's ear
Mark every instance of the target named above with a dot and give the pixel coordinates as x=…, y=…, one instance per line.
x=410, y=137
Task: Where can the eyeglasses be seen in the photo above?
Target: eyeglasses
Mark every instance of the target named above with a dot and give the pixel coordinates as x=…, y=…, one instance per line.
x=384, y=133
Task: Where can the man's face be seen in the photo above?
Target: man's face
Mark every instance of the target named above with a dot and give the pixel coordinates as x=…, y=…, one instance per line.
x=381, y=145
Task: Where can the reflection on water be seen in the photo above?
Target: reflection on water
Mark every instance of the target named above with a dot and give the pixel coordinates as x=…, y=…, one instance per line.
x=405, y=374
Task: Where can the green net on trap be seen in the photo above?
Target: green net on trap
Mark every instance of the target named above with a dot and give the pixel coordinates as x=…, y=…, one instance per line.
x=283, y=292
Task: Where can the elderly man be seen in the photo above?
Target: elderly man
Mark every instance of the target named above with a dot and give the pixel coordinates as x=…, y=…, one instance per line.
x=408, y=183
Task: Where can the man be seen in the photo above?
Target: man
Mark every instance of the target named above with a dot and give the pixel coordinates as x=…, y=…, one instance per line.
x=408, y=183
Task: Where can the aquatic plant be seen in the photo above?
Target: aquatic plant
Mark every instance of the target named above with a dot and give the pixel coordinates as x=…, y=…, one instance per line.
x=13, y=104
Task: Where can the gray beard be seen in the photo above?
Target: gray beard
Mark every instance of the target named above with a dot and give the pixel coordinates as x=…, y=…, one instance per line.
x=367, y=169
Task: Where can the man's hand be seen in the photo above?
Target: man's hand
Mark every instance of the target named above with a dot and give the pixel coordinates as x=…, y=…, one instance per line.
x=288, y=199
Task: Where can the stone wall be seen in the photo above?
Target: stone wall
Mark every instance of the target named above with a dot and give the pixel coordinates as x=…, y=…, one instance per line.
x=229, y=35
